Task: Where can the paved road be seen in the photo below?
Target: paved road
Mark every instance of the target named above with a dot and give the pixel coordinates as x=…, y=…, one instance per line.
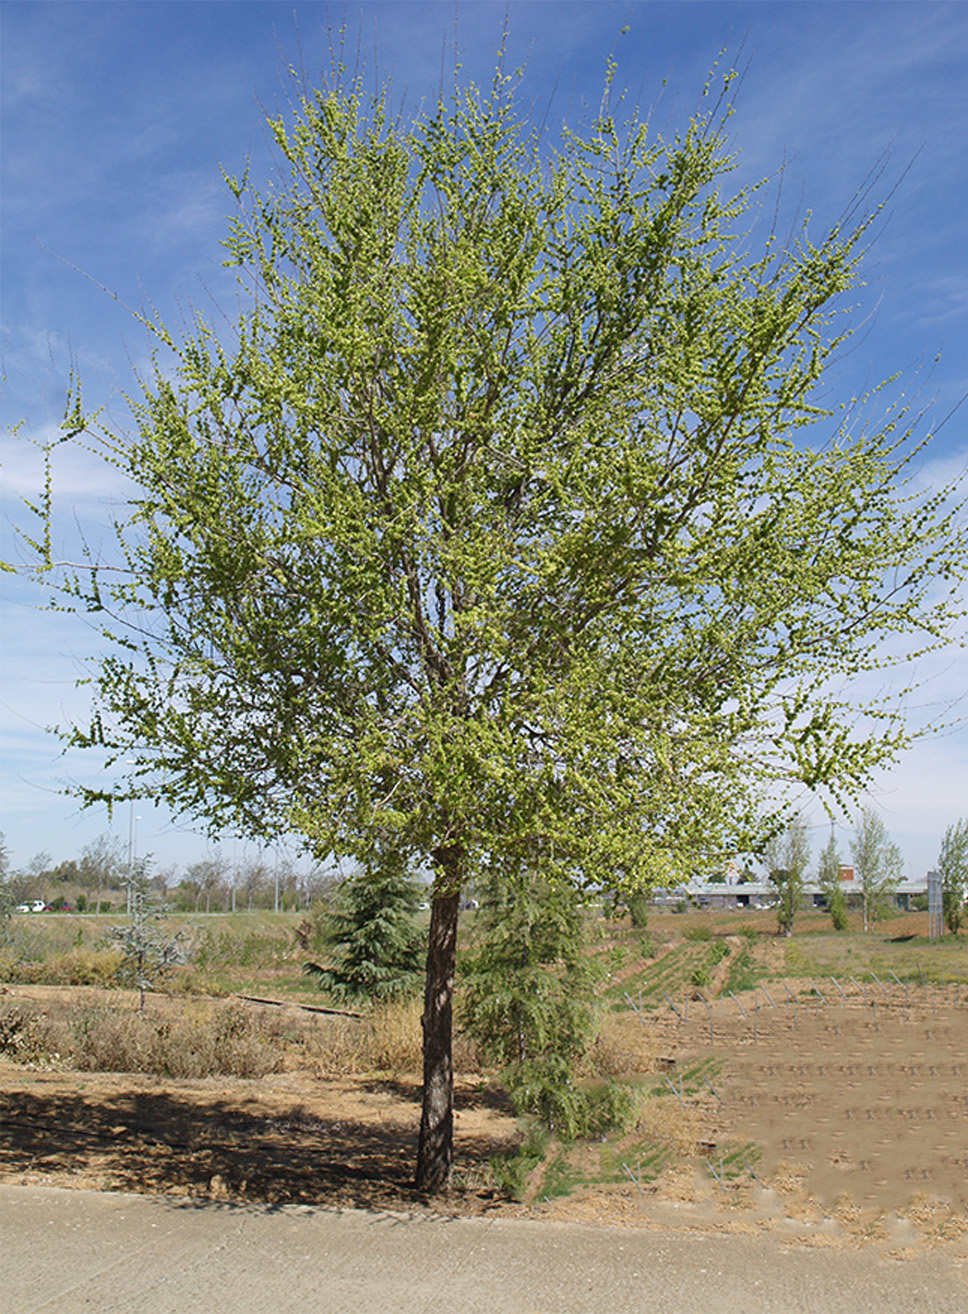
x=70, y=1251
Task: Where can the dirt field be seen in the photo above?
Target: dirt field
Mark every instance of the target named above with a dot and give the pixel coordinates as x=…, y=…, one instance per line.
x=826, y=1119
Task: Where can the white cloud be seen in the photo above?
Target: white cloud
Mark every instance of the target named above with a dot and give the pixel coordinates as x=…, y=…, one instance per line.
x=79, y=474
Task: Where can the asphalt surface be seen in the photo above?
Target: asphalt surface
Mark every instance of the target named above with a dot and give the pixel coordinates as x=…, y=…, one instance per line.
x=86, y=1251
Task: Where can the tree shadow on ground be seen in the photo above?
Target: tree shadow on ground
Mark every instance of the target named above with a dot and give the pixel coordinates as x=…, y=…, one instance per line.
x=159, y=1142
x=477, y=1097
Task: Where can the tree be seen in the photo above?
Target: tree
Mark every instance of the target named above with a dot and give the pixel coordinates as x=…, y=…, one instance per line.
x=828, y=878
x=256, y=881
x=787, y=857
x=878, y=864
x=205, y=880
x=103, y=864
x=953, y=865
x=507, y=514
x=528, y=999
x=639, y=903
x=6, y=898
x=39, y=866
x=373, y=933
x=149, y=949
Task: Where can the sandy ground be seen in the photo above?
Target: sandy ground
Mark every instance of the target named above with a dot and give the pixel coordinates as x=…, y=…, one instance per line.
x=853, y=1114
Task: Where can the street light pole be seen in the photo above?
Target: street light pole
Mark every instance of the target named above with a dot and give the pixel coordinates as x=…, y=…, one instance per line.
x=130, y=761
x=130, y=852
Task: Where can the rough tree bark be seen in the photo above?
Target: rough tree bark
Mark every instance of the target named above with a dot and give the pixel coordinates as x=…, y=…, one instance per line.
x=435, y=1152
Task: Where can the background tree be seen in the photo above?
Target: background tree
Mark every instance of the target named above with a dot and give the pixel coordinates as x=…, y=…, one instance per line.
x=508, y=515
x=878, y=864
x=255, y=882
x=30, y=882
x=828, y=878
x=953, y=865
x=206, y=880
x=102, y=866
x=6, y=897
x=372, y=933
x=787, y=858
x=639, y=904
x=320, y=885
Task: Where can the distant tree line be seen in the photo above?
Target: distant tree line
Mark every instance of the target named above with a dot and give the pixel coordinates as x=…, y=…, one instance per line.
x=95, y=881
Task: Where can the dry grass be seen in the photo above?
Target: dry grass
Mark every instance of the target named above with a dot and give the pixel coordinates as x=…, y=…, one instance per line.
x=663, y=1122
x=199, y=1040
x=188, y=1038
x=387, y=1039
x=391, y=1037
x=76, y=966
x=622, y=1047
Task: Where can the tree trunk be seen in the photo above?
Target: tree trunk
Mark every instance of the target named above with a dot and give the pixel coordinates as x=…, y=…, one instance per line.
x=435, y=1152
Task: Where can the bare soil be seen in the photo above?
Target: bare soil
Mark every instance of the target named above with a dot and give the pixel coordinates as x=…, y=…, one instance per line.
x=853, y=1113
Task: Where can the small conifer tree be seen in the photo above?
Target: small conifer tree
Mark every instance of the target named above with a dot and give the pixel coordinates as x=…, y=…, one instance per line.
x=374, y=941
x=529, y=1001
x=149, y=948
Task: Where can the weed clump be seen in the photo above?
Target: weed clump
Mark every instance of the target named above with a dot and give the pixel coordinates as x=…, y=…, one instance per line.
x=700, y=932
x=621, y=1047
x=202, y=1041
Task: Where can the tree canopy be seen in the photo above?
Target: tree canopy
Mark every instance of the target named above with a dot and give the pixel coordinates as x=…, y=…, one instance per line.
x=506, y=520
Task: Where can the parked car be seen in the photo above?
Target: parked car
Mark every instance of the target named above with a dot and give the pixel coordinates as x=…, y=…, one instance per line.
x=36, y=905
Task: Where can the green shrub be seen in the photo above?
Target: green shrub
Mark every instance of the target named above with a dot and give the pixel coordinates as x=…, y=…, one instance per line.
x=838, y=910
x=647, y=947
x=700, y=976
x=545, y=1090
x=528, y=1000
x=639, y=908
x=372, y=937
x=510, y=1172
x=611, y=1107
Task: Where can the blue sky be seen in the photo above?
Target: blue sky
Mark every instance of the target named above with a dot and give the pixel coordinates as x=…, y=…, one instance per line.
x=116, y=118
